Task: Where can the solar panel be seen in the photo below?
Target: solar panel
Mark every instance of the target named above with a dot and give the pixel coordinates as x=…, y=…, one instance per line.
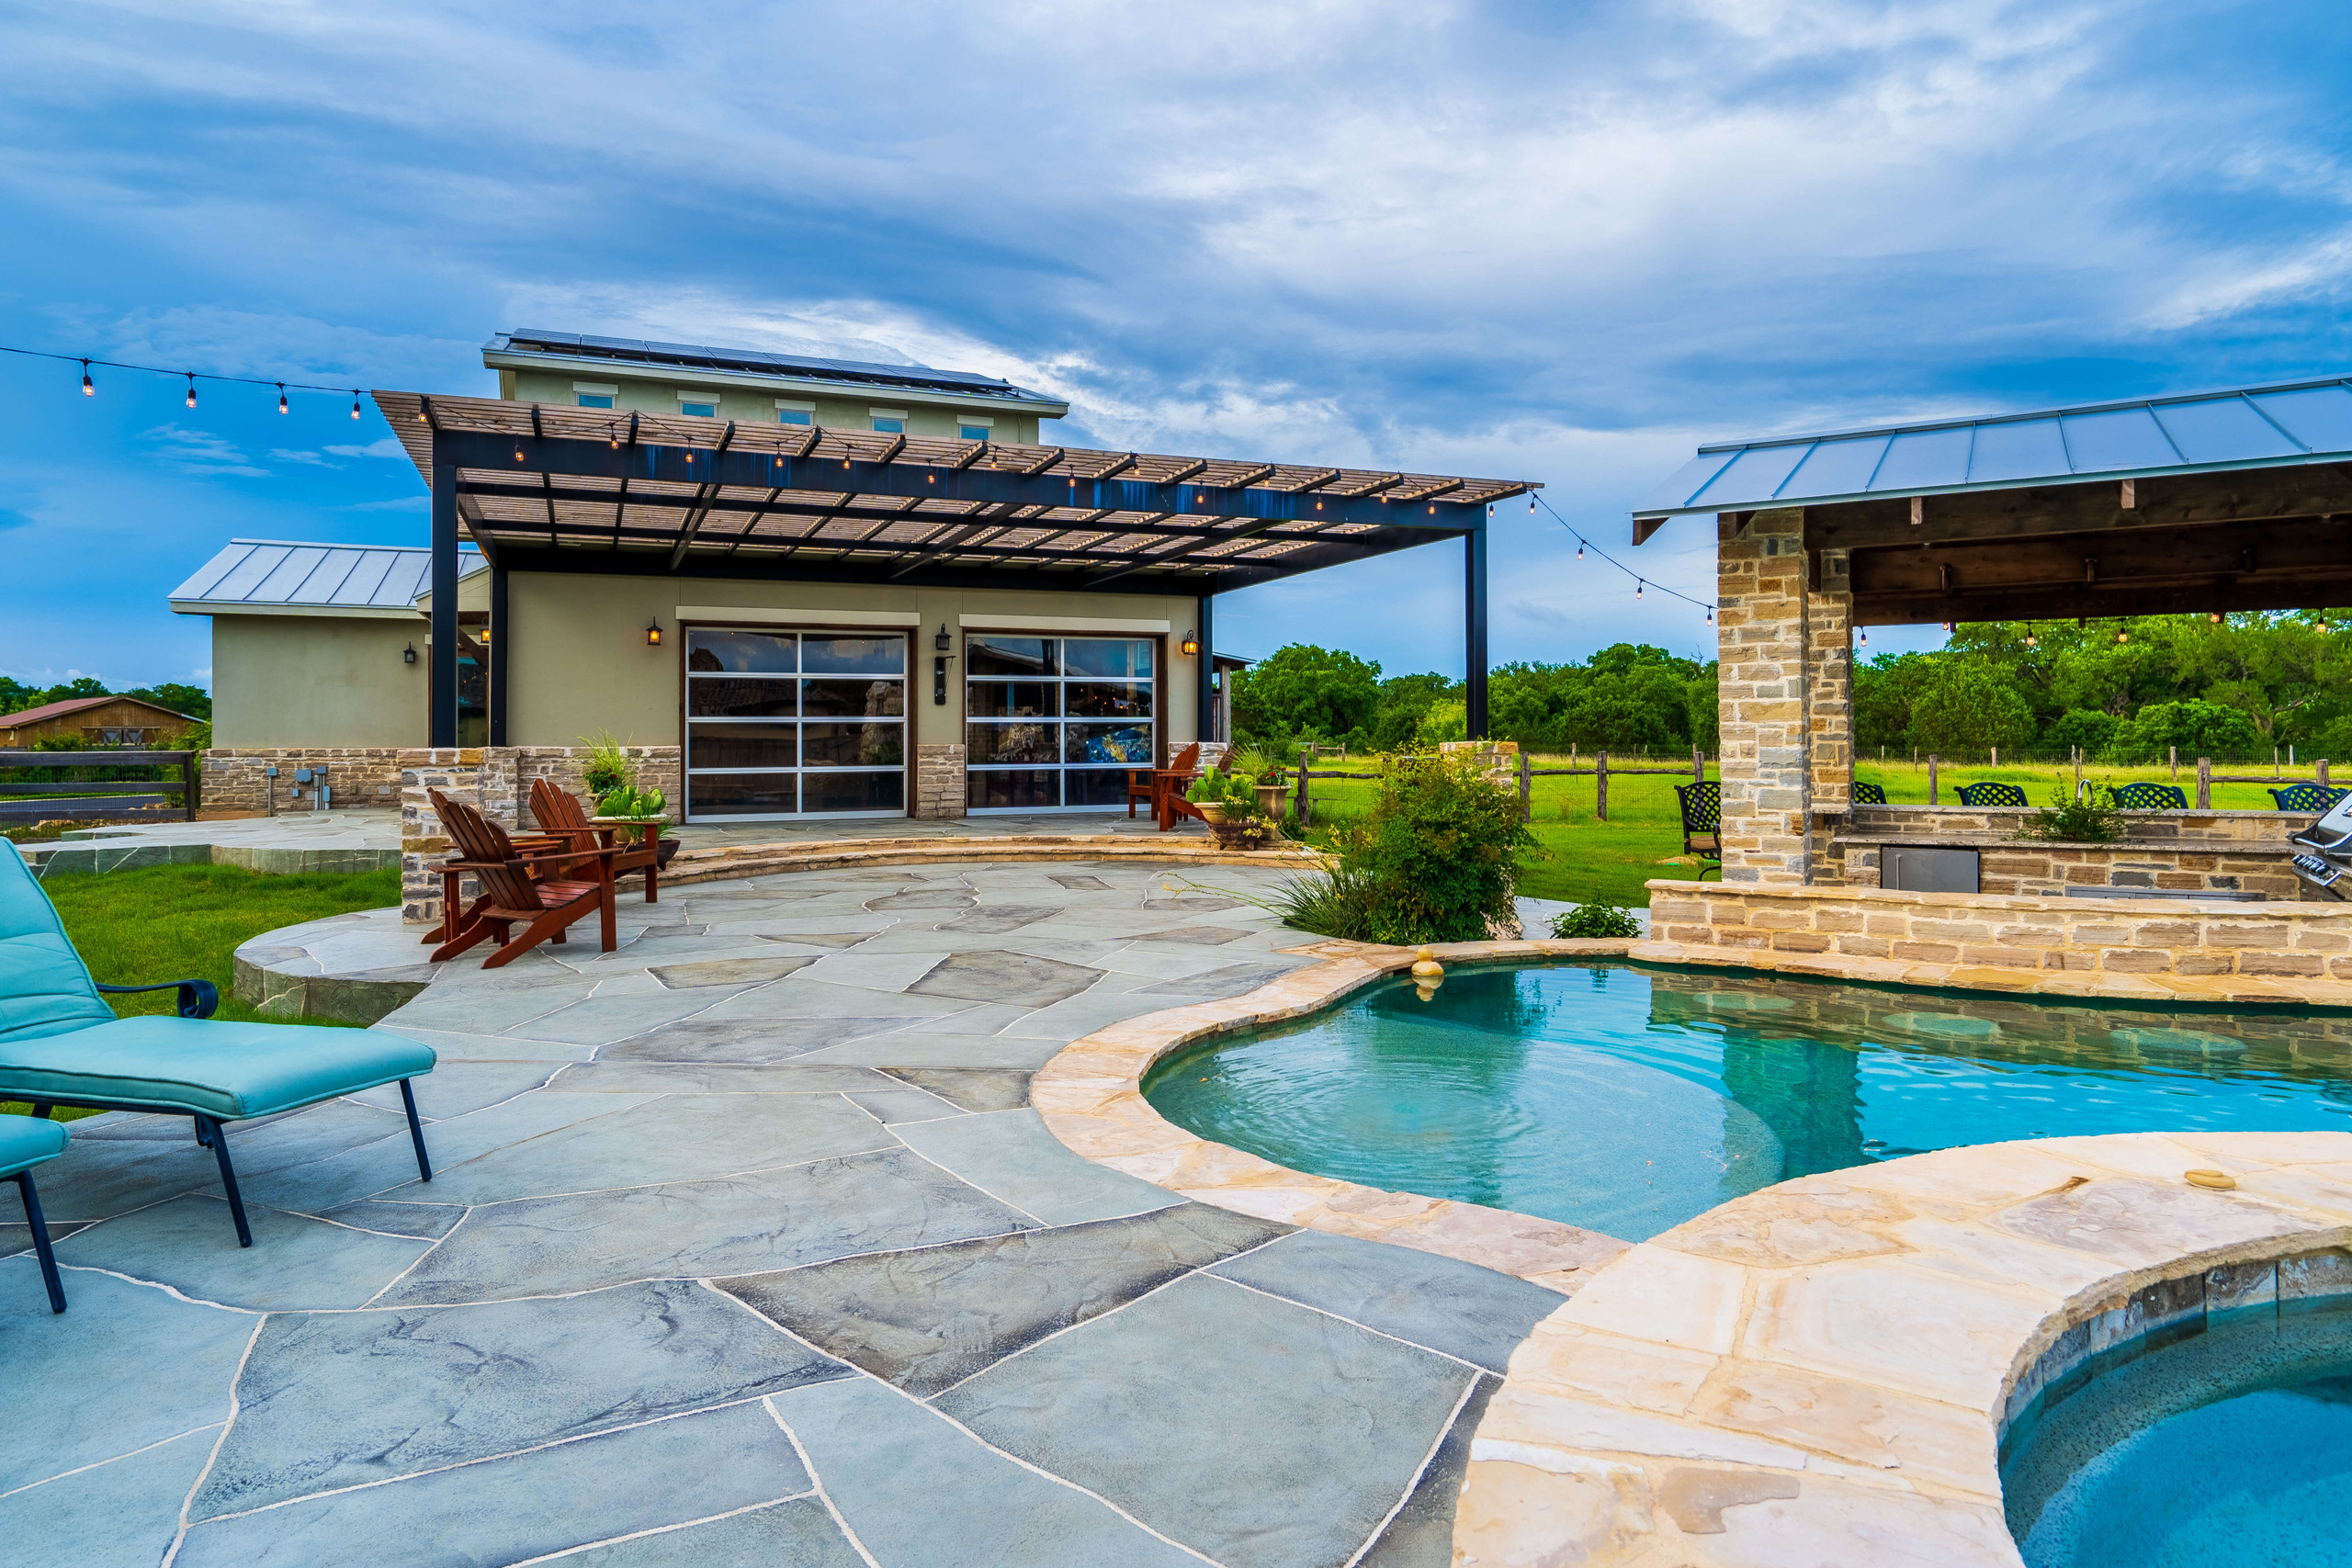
x=646, y=350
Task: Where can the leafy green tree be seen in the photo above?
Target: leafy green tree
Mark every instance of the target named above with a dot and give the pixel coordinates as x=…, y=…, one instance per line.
x=193, y=701
x=2197, y=727
x=1967, y=707
x=1702, y=707
x=1403, y=700
x=1302, y=691
x=2094, y=732
x=1884, y=689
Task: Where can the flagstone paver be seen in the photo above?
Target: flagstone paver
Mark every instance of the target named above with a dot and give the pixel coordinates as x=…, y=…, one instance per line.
x=746, y=1247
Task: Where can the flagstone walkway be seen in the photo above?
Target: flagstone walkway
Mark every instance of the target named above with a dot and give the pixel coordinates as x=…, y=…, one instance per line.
x=745, y=1247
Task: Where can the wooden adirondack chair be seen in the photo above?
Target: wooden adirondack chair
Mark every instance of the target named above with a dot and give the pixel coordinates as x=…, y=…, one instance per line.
x=1170, y=784
x=558, y=812
x=512, y=894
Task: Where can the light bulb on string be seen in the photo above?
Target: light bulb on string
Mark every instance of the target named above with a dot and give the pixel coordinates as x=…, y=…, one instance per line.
x=87, y=391
x=1579, y=550
x=1864, y=636
x=281, y=398
x=2031, y=640
x=1711, y=614
x=2122, y=636
x=1638, y=588
x=191, y=390
x=355, y=403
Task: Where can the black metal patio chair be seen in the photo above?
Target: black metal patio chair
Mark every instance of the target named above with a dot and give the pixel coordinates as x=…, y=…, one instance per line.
x=1702, y=821
x=2140, y=796
x=1868, y=794
x=2307, y=797
x=1992, y=793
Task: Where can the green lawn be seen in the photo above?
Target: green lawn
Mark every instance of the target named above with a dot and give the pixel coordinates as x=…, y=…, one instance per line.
x=173, y=922
x=1586, y=860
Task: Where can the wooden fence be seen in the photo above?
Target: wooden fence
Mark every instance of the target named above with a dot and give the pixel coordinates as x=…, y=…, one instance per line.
x=123, y=796
x=1601, y=772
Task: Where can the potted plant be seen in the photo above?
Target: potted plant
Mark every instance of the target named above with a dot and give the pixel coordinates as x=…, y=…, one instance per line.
x=1207, y=794
x=626, y=809
x=1262, y=776
x=607, y=767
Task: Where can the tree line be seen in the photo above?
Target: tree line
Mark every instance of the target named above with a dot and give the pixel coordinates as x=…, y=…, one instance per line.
x=2232, y=688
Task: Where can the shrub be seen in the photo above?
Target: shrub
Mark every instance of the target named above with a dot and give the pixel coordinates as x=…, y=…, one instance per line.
x=2199, y=728
x=1588, y=922
x=2088, y=727
x=1432, y=861
x=2093, y=818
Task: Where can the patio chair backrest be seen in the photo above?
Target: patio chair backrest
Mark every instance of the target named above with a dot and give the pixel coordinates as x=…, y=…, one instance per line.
x=483, y=842
x=1992, y=792
x=2142, y=796
x=557, y=811
x=1184, y=761
x=2306, y=797
x=1868, y=794
x=1702, y=806
x=45, y=988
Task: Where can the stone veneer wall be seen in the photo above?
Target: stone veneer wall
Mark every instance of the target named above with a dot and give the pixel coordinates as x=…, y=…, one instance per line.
x=2176, y=852
x=1768, y=739
x=2154, y=937
x=939, y=781
x=2232, y=827
x=232, y=779
x=495, y=781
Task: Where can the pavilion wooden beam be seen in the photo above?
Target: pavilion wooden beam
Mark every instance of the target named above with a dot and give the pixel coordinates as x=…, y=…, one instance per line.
x=2304, y=489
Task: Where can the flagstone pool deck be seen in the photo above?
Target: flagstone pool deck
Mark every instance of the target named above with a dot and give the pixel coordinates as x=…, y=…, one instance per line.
x=745, y=1246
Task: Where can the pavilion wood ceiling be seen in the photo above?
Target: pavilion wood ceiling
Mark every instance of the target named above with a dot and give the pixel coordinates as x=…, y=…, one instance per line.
x=1224, y=521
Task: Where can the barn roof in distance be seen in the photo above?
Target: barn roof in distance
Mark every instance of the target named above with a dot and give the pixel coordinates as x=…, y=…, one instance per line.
x=2251, y=427
x=556, y=488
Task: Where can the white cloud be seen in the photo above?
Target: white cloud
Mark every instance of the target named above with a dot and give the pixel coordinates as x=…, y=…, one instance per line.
x=310, y=459
x=386, y=446
x=200, y=451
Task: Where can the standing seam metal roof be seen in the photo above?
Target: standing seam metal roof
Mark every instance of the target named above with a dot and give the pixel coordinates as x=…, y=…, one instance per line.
x=2276, y=426
x=298, y=576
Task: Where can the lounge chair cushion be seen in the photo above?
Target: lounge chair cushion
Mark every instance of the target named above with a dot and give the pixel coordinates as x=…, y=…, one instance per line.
x=44, y=987
x=207, y=1066
x=26, y=1140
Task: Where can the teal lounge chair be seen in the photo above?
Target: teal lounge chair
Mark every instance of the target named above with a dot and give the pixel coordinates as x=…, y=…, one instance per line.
x=25, y=1141
x=61, y=1045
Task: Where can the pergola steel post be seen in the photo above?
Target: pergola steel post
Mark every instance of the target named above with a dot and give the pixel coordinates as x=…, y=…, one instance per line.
x=1473, y=615
x=1205, y=721
x=443, y=677
x=500, y=647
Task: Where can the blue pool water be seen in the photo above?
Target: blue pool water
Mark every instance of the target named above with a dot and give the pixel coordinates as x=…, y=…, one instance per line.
x=1628, y=1101
x=2225, y=1449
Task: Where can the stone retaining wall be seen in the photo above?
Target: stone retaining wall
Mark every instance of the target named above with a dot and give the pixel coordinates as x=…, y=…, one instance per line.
x=2157, y=936
x=2002, y=821
x=2045, y=870
x=233, y=779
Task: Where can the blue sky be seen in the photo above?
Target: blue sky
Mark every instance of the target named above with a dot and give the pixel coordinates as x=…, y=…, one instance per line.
x=1551, y=242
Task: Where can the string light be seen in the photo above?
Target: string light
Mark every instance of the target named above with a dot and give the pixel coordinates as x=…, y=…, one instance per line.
x=1864, y=636
x=1711, y=614
x=191, y=390
x=281, y=398
x=87, y=391
x=1638, y=588
x=355, y=403
x=89, y=388
x=2122, y=636
x=2031, y=640
x=1639, y=582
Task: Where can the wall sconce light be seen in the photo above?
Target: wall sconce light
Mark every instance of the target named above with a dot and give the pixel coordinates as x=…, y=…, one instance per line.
x=1190, y=646
x=943, y=642
x=653, y=635
x=408, y=654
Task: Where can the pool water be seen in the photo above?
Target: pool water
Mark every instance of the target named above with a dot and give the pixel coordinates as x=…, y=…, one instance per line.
x=2224, y=1449
x=1629, y=1100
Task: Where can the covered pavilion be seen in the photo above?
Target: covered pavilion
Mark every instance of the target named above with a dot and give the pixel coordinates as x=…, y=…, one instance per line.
x=2219, y=502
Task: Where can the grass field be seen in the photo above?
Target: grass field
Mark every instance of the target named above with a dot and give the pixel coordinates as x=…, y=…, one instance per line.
x=174, y=922
x=1580, y=859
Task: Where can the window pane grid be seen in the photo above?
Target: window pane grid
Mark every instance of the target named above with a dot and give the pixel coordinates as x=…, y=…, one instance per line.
x=1055, y=723
x=782, y=724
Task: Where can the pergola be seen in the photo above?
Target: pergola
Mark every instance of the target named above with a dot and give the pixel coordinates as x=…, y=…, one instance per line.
x=2227, y=500
x=544, y=487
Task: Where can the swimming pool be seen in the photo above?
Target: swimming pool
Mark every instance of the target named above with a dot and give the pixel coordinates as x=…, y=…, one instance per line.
x=2225, y=1447
x=1628, y=1101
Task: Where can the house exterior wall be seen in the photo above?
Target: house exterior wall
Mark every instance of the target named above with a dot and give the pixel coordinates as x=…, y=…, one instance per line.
x=317, y=680
x=581, y=665
x=659, y=394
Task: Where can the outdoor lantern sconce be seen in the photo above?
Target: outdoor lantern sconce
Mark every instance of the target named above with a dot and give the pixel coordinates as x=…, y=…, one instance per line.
x=942, y=642
x=653, y=635
x=408, y=654
x=1190, y=645
x=939, y=666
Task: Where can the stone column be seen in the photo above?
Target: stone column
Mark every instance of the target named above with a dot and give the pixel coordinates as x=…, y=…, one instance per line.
x=939, y=781
x=1829, y=707
x=424, y=845
x=1767, y=728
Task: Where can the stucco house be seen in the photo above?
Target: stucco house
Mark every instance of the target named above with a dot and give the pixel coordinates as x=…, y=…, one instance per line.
x=803, y=587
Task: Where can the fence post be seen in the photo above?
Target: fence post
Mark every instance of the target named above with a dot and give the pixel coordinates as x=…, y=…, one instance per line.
x=188, y=784
x=1305, y=755
x=2204, y=784
x=2078, y=771
x=1997, y=757
x=2171, y=755
x=1932, y=759
x=1698, y=766
x=1600, y=785
x=2322, y=768
x=1526, y=788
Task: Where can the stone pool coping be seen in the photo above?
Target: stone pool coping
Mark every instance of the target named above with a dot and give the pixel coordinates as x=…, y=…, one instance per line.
x=1091, y=1095
x=1820, y=1371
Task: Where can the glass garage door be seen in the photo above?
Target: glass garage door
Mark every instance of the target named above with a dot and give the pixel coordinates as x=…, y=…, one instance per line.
x=1053, y=724
x=795, y=724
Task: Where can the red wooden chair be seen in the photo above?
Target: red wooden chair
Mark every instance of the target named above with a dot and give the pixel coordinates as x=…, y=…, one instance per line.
x=543, y=905
x=558, y=812
x=1168, y=785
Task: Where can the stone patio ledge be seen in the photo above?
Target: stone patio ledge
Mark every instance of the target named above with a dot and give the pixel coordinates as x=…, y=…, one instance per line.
x=1821, y=1371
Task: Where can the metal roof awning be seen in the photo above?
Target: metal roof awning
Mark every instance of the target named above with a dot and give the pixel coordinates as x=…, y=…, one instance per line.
x=549, y=488
x=276, y=577
x=2273, y=426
